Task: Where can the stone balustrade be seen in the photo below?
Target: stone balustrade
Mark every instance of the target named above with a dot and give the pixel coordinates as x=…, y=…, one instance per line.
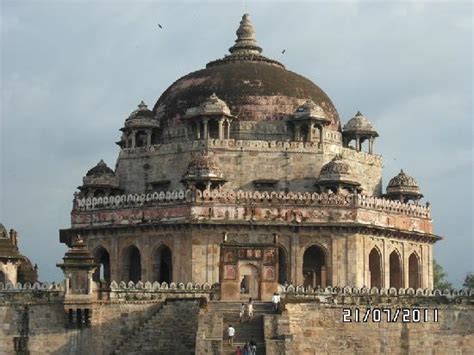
x=374, y=295
x=246, y=198
x=43, y=286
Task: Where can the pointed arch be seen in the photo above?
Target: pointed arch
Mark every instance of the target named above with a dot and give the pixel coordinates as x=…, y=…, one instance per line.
x=375, y=268
x=396, y=272
x=414, y=271
x=162, y=264
x=102, y=257
x=315, y=266
x=131, y=264
x=3, y=278
x=282, y=265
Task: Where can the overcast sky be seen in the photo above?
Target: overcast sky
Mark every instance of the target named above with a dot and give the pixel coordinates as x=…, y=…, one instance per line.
x=72, y=71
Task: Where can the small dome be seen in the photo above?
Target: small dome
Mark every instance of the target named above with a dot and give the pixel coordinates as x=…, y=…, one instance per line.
x=101, y=175
x=3, y=232
x=310, y=109
x=212, y=106
x=204, y=167
x=141, y=117
x=403, y=184
x=141, y=111
x=100, y=169
x=360, y=124
x=337, y=170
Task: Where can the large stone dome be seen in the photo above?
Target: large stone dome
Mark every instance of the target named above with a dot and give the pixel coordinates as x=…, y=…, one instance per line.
x=254, y=87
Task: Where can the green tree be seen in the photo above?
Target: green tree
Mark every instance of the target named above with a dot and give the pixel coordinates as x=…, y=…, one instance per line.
x=469, y=281
x=439, y=277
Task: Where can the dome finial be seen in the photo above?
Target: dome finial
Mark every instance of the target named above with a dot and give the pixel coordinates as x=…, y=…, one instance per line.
x=245, y=42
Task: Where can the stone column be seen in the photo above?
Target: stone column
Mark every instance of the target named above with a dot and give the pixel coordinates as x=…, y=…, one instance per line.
x=205, y=121
x=371, y=145
x=133, y=138
x=405, y=269
x=310, y=132
x=358, y=144
x=148, y=138
x=297, y=132
x=198, y=130
x=323, y=277
x=321, y=135
x=221, y=128
x=89, y=281
x=228, y=129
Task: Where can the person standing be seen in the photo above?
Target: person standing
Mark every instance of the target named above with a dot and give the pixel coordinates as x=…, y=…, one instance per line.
x=250, y=308
x=230, y=335
x=241, y=312
x=238, y=351
x=253, y=346
x=276, y=301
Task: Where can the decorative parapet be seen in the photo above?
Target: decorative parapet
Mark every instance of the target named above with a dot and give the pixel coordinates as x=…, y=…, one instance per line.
x=349, y=295
x=251, y=198
x=31, y=293
x=43, y=286
x=147, y=290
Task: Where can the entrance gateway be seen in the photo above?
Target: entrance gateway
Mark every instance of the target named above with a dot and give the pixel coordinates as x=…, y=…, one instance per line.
x=248, y=270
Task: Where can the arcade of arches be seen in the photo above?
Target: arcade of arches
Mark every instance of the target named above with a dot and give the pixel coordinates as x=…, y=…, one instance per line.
x=255, y=267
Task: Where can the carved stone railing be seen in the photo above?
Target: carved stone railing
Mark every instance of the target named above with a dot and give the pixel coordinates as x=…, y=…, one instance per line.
x=251, y=198
x=351, y=295
x=43, y=286
x=159, y=291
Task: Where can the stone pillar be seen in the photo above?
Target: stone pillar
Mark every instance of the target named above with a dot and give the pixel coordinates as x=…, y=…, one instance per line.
x=310, y=132
x=371, y=145
x=205, y=121
x=386, y=266
x=358, y=144
x=89, y=279
x=405, y=269
x=321, y=135
x=323, y=277
x=297, y=132
x=148, y=138
x=198, y=130
x=133, y=139
x=221, y=129
x=228, y=129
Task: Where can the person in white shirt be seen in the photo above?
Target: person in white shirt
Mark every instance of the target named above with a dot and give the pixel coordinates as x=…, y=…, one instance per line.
x=250, y=308
x=241, y=312
x=276, y=301
x=231, y=334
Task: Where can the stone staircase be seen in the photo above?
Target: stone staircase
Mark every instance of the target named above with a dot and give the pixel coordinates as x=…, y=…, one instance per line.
x=172, y=330
x=243, y=331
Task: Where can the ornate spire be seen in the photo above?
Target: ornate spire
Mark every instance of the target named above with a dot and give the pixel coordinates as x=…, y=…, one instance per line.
x=245, y=42
x=245, y=48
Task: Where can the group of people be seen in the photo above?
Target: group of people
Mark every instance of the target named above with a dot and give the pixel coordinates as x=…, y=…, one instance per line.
x=250, y=348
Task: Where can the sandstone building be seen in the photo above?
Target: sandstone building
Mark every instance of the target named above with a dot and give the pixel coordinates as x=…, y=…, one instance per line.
x=242, y=174
x=240, y=182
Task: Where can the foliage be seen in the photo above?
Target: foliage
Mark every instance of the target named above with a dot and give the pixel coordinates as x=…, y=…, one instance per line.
x=469, y=281
x=439, y=277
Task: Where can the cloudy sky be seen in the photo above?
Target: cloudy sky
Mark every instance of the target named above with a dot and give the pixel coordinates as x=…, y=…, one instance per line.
x=72, y=71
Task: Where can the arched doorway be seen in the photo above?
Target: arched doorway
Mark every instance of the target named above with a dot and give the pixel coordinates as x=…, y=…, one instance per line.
x=375, y=268
x=282, y=265
x=101, y=257
x=132, y=269
x=395, y=270
x=249, y=281
x=314, y=267
x=413, y=271
x=2, y=277
x=162, y=264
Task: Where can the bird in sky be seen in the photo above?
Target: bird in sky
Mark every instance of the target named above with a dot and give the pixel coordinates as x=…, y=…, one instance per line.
x=283, y=51
x=160, y=26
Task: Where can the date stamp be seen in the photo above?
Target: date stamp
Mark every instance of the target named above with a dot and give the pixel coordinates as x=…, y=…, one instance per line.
x=390, y=315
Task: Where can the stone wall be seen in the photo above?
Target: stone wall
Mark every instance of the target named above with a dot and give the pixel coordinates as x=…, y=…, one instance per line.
x=319, y=329
x=243, y=161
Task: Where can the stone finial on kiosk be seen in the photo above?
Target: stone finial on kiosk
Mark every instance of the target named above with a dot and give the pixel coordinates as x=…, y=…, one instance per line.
x=78, y=267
